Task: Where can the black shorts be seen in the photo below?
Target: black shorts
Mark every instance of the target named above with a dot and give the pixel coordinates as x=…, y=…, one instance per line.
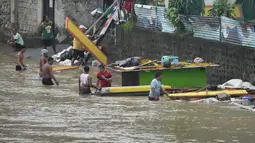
x=18, y=68
x=88, y=57
x=85, y=91
x=47, y=42
x=47, y=81
x=152, y=98
x=18, y=46
x=77, y=53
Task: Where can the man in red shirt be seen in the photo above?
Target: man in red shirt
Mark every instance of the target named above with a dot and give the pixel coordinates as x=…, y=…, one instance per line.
x=104, y=77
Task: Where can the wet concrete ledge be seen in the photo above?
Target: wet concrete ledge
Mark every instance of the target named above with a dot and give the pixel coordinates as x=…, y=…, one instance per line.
x=31, y=53
x=30, y=40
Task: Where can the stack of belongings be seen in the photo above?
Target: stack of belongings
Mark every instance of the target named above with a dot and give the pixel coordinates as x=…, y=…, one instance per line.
x=129, y=62
x=64, y=57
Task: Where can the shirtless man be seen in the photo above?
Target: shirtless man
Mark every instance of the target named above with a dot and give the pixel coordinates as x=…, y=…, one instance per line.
x=47, y=73
x=43, y=59
x=21, y=65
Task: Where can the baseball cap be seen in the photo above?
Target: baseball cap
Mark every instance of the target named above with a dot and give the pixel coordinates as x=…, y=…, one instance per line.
x=44, y=52
x=82, y=27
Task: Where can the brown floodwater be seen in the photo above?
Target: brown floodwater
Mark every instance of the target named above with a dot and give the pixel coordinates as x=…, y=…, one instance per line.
x=30, y=112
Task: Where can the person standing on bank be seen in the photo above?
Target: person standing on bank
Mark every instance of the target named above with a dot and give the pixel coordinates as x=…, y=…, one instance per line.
x=16, y=40
x=78, y=49
x=47, y=34
x=156, y=87
x=104, y=77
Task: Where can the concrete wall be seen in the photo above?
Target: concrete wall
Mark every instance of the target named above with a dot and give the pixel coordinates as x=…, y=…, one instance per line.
x=30, y=12
x=78, y=10
x=27, y=17
x=5, y=18
x=5, y=13
x=235, y=61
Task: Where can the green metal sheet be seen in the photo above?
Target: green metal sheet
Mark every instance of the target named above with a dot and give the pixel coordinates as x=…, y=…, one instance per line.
x=178, y=78
x=248, y=7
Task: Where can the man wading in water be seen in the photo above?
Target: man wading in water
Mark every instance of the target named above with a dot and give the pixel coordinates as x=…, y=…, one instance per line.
x=47, y=73
x=156, y=87
x=43, y=59
x=85, y=82
x=21, y=65
x=104, y=77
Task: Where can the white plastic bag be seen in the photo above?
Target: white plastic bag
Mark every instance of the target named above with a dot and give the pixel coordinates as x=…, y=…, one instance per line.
x=94, y=12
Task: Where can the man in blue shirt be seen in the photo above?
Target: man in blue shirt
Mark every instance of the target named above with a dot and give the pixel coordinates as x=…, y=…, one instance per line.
x=156, y=87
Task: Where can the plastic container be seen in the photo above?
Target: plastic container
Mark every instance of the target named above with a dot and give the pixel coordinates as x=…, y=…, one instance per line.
x=167, y=61
x=249, y=98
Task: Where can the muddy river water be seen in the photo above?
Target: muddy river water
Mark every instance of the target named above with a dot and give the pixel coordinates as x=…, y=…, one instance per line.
x=30, y=112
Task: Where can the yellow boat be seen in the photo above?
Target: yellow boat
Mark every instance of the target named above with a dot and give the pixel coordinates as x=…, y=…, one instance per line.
x=205, y=94
x=60, y=68
x=133, y=90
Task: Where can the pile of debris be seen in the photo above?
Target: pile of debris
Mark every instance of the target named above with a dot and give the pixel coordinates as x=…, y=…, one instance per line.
x=244, y=102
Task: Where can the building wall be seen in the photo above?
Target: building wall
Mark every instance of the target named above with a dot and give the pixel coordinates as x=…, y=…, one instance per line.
x=27, y=17
x=235, y=61
x=5, y=13
x=5, y=18
x=30, y=13
x=78, y=10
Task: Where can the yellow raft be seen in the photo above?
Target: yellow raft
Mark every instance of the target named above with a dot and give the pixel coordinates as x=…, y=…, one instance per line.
x=60, y=68
x=139, y=90
x=205, y=94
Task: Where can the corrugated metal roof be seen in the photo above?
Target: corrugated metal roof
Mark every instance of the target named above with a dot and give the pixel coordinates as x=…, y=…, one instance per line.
x=248, y=36
x=235, y=33
x=160, y=16
x=186, y=22
x=206, y=27
x=167, y=26
x=153, y=17
x=146, y=16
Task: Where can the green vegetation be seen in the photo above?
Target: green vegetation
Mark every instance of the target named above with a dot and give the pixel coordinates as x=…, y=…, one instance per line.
x=175, y=19
x=187, y=7
x=183, y=7
x=128, y=26
x=222, y=8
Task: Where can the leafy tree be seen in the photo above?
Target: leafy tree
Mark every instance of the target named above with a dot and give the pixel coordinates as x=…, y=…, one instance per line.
x=222, y=8
x=187, y=7
x=175, y=19
x=183, y=7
